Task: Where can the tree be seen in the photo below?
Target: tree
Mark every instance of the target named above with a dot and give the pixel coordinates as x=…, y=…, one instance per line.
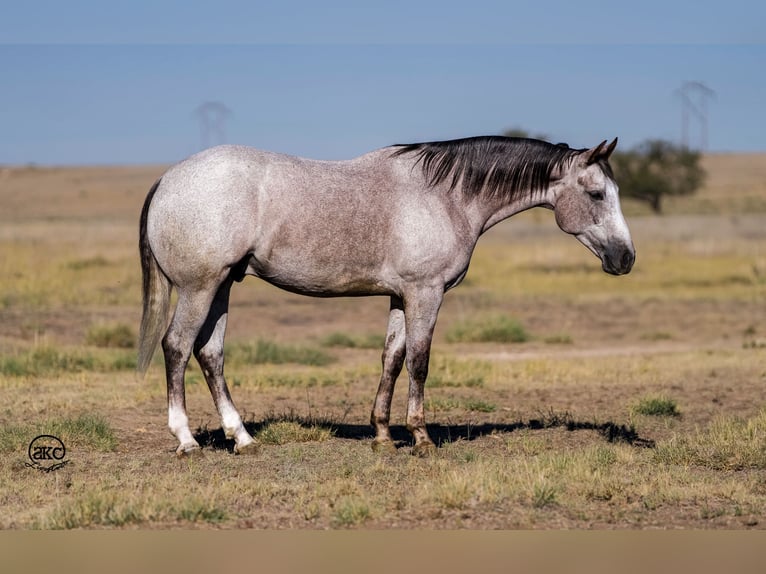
x=655, y=169
x=522, y=133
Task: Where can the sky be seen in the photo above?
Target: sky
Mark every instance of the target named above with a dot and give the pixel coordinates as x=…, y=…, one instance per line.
x=119, y=83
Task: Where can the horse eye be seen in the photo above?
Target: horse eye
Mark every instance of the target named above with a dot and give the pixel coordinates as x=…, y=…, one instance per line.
x=596, y=195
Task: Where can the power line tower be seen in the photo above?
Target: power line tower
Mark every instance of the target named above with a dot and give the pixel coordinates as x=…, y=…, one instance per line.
x=212, y=122
x=694, y=96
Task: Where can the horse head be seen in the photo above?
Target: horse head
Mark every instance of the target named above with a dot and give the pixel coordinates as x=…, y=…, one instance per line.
x=587, y=205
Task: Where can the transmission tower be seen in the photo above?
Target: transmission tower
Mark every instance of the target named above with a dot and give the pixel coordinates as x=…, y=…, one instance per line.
x=212, y=122
x=694, y=96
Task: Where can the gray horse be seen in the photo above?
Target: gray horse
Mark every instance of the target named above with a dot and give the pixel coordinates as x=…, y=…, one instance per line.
x=401, y=221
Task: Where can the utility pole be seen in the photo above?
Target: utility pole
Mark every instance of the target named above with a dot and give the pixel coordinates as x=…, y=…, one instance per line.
x=212, y=121
x=694, y=96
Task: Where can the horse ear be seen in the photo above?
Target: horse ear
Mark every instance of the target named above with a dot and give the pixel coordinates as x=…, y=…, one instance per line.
x=599, y=152
x=594, y=154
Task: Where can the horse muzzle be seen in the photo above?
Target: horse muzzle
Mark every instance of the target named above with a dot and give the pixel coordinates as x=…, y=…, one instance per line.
x=618, y=261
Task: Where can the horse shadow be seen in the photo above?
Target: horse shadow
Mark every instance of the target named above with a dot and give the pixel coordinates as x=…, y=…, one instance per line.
x=440, y=433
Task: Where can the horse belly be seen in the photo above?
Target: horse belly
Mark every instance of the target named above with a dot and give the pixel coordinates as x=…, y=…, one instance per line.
x=298, y=272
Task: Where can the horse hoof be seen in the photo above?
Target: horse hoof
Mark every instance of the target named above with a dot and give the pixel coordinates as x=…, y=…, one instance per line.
x=383, y=446
x=424, y=449
x=249, y=448
x=189, y=451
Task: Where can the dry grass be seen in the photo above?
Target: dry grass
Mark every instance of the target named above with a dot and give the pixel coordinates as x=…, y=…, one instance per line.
x=574, y=428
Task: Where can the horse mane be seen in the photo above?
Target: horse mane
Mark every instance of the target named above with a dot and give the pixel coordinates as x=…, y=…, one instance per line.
x=494, y=165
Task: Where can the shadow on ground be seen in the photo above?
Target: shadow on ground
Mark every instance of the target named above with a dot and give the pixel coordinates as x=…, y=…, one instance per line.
x=441, y=434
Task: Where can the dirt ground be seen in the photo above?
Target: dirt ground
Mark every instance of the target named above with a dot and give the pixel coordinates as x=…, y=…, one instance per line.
x=687, y=324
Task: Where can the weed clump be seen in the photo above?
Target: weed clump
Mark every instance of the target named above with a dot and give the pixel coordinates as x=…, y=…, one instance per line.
x=657, y=407
x=495, y=329
x=86, y=430
x=118, y=336
x=270, y=352
x=52, y=362
x=283, y=432
x=344, y=340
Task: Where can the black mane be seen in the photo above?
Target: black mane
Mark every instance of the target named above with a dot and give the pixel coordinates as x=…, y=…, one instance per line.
x=496, y=164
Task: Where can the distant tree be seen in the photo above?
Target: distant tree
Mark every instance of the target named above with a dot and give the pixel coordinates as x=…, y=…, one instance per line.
x=656, y=169
x=522, y=133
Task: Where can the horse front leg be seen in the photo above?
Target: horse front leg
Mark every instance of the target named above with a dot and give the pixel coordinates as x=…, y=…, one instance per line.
x=420, y=311
x=393, y=360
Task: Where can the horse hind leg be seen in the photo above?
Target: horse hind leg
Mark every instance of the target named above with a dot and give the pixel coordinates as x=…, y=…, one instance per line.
x=192, y=308
x=393, y=360
x=209, y=352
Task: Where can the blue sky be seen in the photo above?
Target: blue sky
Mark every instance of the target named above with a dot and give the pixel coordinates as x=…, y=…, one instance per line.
x=89, y=84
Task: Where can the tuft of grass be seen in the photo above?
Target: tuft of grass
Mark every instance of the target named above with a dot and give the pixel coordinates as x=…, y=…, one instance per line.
x=46, y=361
x=728, y=444
x=543, y=494
x=493, y=329
x=439, y=405
x=454, y=491
x=657, y=407
x=89, y=263
x=51, y=362
x=93, y=509
x=109, y=509
x=283, y=432
x=657, y=336
x=350, y=511
x=87, y=430
x=15, y=437
x=119, y=336
x=200, y=510
x=263, y=351
x=559, y=339
x=306, y=380
x=479, y=405
x=344, y=340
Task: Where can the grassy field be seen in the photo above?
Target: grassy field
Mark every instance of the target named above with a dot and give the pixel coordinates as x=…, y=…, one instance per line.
x=559, y=397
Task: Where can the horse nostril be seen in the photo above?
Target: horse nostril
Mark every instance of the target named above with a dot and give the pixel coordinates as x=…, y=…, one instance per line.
x=627, y=259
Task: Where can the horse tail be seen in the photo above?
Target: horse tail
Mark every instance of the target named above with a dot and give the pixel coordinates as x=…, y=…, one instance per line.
x=156, y=294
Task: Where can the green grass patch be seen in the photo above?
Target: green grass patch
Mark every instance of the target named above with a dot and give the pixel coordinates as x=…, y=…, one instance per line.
x=441, y=405
x=350, y=511
x=262, y=352
x=479, y=405
x=657, y=336
x=52, y=362
x=493, y=329
x=300, y=380
x=119, y=336
x=656, y=407
x=93, y=509
x=87, y=430
x=344, y=340
x=44, y=361
x=16, y=437
x=108, y=509
x=200, y=510
x=543, y=494
x=559, y=339
x=88, y=263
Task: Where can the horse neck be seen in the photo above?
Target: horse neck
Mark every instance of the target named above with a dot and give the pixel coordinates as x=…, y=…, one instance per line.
x=494, y=210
